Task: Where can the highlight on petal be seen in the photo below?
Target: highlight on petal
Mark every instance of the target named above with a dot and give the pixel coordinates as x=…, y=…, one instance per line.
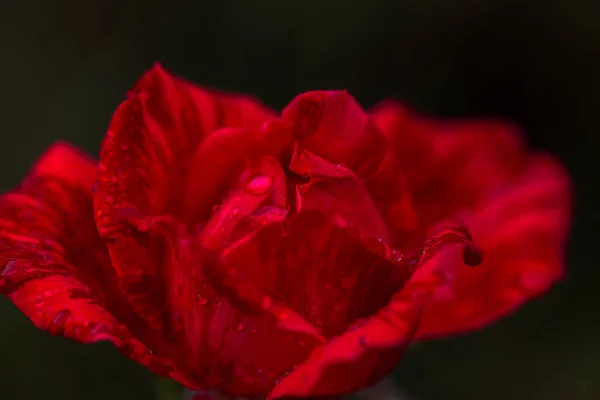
x=217, y=162
x=53, y=265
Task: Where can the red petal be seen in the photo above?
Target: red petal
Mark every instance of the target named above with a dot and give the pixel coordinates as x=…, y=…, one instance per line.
x=53, y=265
x=522, y=231
x=457, y=161
x=369, y=350
x=333, y=126
x=335, y=190
x=218, y=160
x=144, y=165
x=315, y=260
x=321, y=267
x=234, y=336
x=516, y=206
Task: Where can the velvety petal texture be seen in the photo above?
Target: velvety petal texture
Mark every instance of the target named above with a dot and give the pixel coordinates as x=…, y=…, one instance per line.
x=53, y=265
x=516, y=206
x=246, y=252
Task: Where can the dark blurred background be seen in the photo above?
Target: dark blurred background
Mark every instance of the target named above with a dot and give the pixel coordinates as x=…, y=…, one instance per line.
x=66, y=65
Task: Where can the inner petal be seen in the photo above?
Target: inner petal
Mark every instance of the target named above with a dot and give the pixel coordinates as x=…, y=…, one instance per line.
x=325, y=270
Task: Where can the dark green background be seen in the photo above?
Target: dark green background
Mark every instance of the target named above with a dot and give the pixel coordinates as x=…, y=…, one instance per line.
x=66, y=65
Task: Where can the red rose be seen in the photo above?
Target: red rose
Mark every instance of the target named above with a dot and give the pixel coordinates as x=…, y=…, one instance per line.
x=232, y=248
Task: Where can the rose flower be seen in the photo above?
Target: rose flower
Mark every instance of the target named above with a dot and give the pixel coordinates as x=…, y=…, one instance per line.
x=234, y=248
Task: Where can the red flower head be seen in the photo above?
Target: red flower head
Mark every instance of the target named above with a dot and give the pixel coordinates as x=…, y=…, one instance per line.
x=232, y=248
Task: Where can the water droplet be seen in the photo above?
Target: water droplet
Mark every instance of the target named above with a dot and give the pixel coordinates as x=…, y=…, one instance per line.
x=472, y=256
x=109, y=199
x=144, y=224
x=215, y=208
x=300, y=343
x=39, y=303
x=216, y=302
x=47, y=293
x=396, y=256
x=58, y=324
x=347, y=283
x=201, y=299
x=259, y=184
x=95, y=186
x=235, y=211
x=239, y=326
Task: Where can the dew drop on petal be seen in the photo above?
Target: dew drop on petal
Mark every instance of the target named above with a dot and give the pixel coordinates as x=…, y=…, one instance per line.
x=95, y=186
x=216, y=302
x=239, y=326
x=47, y=293
x=201, y=299
x=109, y=199
x=235, y=211
x=58, y=324
x=39, y=302
x=396, y=256
x=259, y=184
x=342, y=169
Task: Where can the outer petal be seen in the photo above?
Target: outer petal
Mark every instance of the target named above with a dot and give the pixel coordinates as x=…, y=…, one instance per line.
x=522, y=231
x=53, y=265
x=144, y=167
x=517, y=207
x=442, y=167
x=370, y=349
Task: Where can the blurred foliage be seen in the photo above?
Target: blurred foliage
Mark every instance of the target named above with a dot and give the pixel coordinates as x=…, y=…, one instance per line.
x=66, y=65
